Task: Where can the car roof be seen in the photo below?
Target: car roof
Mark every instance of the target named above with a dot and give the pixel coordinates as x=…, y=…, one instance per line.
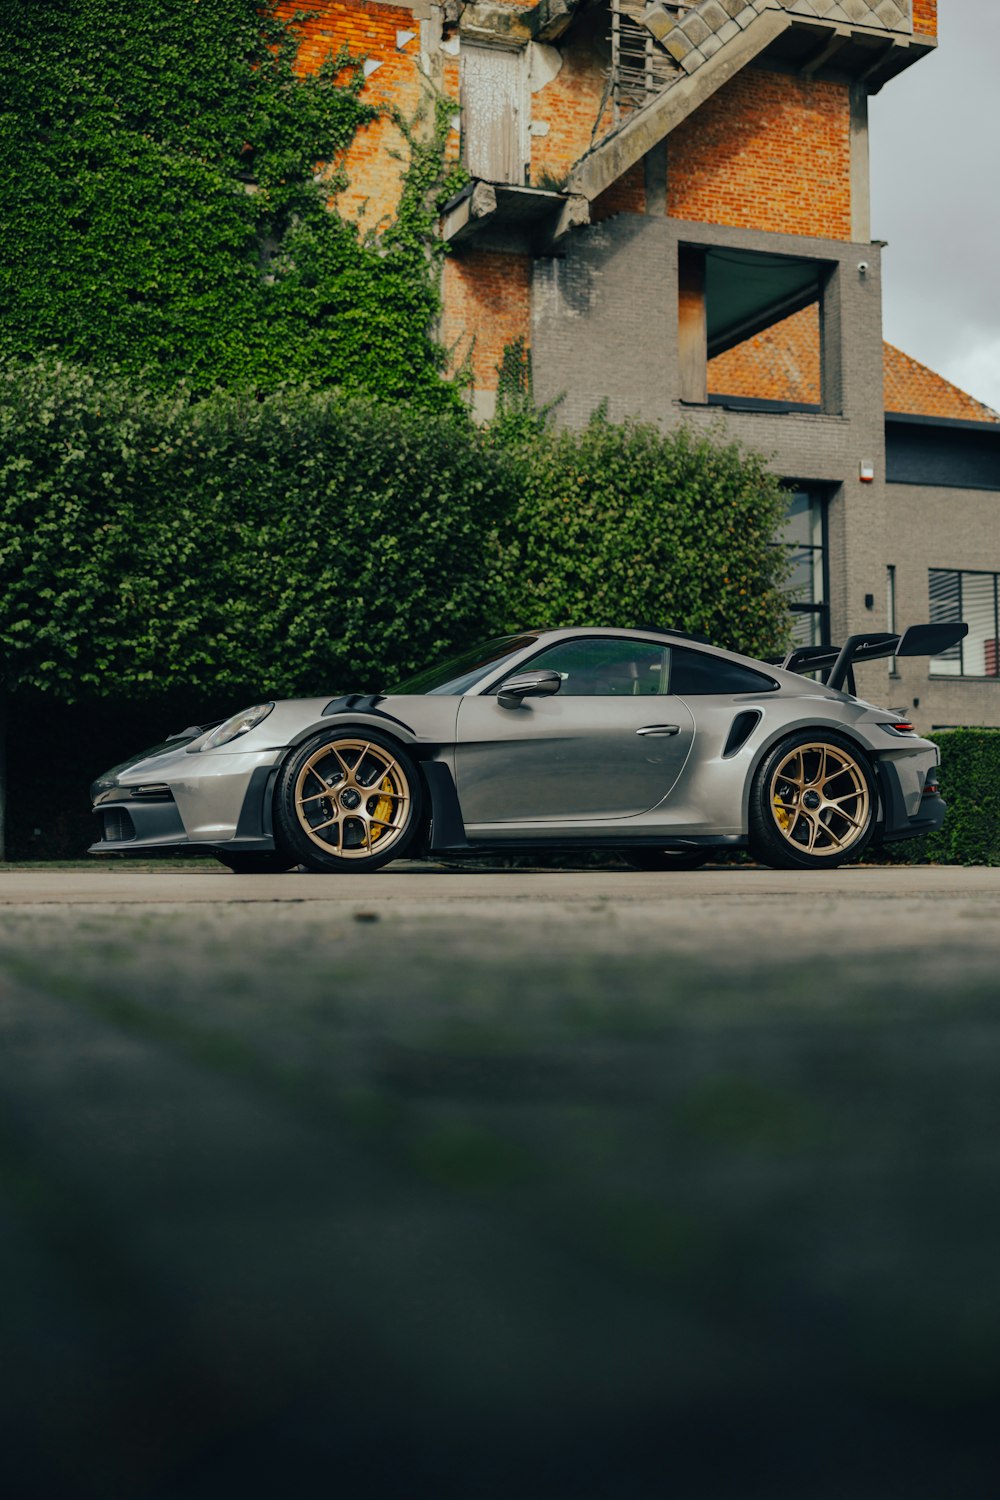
x=643, y=631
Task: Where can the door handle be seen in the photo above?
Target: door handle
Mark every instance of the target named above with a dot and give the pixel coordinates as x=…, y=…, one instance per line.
x=662, y=729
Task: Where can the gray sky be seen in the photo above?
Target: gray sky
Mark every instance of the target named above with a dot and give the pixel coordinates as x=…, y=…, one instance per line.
x=935, y=144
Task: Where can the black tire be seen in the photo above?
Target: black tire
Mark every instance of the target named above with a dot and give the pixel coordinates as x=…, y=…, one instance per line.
x=264, y=863
x=347, y=801
x=813, y=802
x=667, y=859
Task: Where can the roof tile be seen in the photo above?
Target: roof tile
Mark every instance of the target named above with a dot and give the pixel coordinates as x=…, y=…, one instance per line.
x=782, y=364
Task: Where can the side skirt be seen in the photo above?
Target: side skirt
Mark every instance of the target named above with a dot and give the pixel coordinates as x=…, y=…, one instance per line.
x=447, y=831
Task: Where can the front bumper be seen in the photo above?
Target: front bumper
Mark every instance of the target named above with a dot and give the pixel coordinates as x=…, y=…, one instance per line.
x=144, y=818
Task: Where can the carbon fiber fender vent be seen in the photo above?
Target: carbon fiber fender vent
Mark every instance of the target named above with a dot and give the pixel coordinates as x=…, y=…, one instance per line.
x=740, y=731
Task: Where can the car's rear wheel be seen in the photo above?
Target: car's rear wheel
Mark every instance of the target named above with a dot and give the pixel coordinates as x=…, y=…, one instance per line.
x=667, y=859
x=264, y=863
x=347, y=801
x=813, y=803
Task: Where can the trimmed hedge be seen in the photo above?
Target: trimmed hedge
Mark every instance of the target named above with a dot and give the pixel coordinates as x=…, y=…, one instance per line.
x=313, y=541
x=293, y=545
x=970, y=784
x=625, y=525
x=200, y=553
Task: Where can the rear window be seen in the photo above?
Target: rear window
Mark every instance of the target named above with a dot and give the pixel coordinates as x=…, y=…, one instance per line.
x=696, y=673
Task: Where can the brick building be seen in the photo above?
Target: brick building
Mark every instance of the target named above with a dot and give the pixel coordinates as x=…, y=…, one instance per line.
x=669, y=206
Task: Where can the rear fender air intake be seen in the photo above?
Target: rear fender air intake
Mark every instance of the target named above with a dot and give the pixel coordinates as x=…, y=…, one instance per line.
x=740, y=731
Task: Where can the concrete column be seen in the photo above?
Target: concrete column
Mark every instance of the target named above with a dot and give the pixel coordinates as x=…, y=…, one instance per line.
x=692, y=326
x=831, y=341
x=654, y=166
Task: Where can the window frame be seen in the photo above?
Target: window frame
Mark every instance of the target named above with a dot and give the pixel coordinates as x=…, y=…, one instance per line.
x=817, y=609
x=961, y=648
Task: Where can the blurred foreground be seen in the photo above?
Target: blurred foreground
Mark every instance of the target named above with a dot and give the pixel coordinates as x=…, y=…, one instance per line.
x=596, y=1185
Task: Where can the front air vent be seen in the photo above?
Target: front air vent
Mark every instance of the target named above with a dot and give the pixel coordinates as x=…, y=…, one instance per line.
x=740, y=731
x=118, y=826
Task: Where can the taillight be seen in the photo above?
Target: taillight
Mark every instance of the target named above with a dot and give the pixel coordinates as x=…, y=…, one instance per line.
x=898, y=726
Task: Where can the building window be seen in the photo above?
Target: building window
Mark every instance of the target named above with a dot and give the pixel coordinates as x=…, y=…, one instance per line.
x=757, y=331
x=804, y=535
x=960, y=594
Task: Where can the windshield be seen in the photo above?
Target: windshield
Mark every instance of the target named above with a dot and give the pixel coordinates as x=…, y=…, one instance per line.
x=451, y=678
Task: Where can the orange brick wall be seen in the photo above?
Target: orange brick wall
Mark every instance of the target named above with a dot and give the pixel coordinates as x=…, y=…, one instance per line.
x=367, y=30
x=568, y=105
x=626, y=196
x=451, y=82
x=768, y=151
x=925, y=17
x=487, y=305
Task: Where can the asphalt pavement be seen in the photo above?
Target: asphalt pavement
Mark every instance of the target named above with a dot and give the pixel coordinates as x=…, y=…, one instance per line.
x=743, y=914
x=473, y=1183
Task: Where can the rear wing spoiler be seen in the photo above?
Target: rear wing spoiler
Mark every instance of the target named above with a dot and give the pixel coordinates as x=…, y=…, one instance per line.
x=918, y=640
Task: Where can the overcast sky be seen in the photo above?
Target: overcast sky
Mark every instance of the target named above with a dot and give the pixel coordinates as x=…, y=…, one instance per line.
x=935, y=144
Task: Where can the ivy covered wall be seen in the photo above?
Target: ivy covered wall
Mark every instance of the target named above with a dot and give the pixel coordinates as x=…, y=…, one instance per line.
x=165, y=187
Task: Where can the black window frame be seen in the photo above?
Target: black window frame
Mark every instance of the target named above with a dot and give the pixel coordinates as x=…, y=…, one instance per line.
x=959, y=651
x=817, y=610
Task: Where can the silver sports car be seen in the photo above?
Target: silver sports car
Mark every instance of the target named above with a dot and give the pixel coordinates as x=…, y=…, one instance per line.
x=649, y=742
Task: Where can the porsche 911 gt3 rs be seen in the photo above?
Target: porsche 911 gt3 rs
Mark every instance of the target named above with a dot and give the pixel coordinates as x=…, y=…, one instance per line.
x=649, y=742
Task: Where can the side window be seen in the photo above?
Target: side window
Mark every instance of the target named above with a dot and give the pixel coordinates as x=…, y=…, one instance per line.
x=604, y=667
x=695, y=673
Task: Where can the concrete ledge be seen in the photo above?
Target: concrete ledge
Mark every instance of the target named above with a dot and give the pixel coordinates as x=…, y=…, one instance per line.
x=520, y=220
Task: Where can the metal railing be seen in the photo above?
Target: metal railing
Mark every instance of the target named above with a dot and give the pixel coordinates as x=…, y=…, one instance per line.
x=639, y=68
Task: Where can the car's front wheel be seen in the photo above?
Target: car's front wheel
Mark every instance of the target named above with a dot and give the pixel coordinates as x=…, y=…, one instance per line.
x=347, y=801
x=813, y=803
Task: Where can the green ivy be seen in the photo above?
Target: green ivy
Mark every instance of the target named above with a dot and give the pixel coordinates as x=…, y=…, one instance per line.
x=160, y=208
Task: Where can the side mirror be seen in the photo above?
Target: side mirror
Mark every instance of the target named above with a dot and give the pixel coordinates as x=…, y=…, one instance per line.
x=528, y=685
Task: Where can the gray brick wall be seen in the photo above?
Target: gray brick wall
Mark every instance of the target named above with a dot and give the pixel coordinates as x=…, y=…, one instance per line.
x=928, y=528
x=604, y=330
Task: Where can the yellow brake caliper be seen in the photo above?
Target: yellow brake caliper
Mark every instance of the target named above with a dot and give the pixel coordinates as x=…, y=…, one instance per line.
x=383, y=811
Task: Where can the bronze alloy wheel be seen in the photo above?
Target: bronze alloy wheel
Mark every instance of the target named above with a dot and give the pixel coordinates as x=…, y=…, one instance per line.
x=813, y=803
x=347, y=801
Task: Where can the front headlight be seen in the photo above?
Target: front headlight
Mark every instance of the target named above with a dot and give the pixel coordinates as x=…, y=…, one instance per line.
x=240, y=723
